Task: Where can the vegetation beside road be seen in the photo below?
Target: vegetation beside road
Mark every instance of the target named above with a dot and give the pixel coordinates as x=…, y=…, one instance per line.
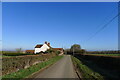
x=13, y=64
x=107, y=66
x=13, y=61
x=28, y=71
x=106, y=63
x=86, y=72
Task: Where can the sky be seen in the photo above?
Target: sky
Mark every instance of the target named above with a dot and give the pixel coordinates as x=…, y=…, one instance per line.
x=0, y=26
x=60, y=0
x=63, y=24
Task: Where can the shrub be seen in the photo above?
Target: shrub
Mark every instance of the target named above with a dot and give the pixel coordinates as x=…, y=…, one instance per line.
x=57, y=52
x=49, y=51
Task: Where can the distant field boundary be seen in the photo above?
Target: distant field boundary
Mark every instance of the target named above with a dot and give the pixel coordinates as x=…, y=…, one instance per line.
x=105, y=55
x=24, y=56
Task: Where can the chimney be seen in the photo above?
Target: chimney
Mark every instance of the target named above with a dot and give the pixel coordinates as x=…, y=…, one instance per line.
x=45, y=42
x=48, y=44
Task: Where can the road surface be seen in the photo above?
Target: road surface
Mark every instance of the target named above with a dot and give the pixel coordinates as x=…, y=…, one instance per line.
x=61, y=69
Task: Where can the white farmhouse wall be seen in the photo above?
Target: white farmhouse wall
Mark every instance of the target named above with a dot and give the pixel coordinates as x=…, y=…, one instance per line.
x=37, y=50
x=43, y=48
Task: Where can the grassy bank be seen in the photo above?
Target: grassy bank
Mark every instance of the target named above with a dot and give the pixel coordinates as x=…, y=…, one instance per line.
x=26, y=72
x=86, y=72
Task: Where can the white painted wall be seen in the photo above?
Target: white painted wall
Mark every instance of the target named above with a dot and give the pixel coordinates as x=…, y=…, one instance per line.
x=43, y=48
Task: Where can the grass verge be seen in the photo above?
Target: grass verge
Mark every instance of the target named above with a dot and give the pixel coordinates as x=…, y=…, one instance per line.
x=26, y=72
x=86, y=72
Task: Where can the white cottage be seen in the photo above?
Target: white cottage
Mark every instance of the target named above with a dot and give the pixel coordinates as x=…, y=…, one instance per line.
x=42, y=47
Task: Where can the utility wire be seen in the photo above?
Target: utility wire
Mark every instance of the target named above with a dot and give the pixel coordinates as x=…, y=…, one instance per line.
x=104, y=26
x=106, y=18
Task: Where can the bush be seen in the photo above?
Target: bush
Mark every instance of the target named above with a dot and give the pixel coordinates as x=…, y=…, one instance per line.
x=49, y=51
x=81, y=51
x=57, y=52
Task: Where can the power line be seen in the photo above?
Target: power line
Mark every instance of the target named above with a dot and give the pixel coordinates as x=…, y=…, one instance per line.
x=106, y=18
x=103, y=26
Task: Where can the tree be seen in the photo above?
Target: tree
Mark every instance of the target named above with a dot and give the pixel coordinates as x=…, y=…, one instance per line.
x=75, y=48
x=82, y=51
x=19, y=50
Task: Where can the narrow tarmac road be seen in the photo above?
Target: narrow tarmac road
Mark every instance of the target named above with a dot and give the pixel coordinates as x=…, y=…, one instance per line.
x=61, y=69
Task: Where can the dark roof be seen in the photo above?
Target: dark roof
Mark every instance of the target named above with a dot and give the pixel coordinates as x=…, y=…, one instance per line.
x=29, y=51
x=49, y=45
x=58, y=48
x=39, y=46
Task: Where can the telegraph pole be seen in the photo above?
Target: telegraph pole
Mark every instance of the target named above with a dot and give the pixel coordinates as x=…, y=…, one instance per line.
x=65, y=52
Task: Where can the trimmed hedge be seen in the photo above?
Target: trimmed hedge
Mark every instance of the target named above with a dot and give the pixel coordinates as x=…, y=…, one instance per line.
x=107, y=63
x=85, y=72
x=25, y=73
x=103, y=52
x=13, y=64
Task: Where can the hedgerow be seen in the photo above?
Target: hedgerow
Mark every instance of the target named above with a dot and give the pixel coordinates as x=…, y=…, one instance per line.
x=85, y=72
x=13, y=64
x=23, y=73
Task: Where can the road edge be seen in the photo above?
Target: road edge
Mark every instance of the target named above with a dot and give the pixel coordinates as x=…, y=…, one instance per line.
x=33, y=75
